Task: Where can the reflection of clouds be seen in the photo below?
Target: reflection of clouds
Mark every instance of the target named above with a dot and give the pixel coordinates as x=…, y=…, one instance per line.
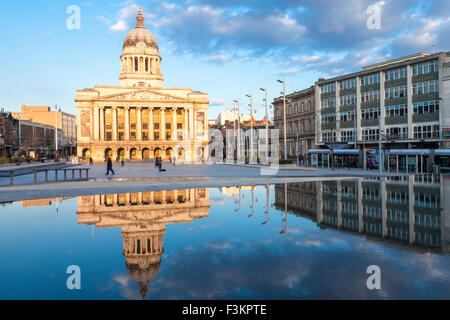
x=217, y=201
x=127, y=287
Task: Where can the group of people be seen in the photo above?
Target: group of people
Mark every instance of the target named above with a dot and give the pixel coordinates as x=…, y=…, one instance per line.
x=109, y=164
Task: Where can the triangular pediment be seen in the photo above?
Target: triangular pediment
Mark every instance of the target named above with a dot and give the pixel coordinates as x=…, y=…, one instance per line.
x=144, y=95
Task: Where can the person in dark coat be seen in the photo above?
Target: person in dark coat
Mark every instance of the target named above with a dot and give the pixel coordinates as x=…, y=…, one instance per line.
x=157, y=162
x=109, y=167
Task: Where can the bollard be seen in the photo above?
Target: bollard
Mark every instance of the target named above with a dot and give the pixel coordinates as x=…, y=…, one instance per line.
x=35, y=176
x=46, y=175
x=11, y=173
x=73, y=174
x=79, y=171
x=56, y=175
x=87, y=174
x=65, y=175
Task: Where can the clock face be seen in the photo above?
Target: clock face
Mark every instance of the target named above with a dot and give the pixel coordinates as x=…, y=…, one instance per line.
x=141, y=46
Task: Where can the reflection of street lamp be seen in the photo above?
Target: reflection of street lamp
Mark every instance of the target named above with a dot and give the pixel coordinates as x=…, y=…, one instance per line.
x=251, y=127
x=267, y=124
x=285, y=209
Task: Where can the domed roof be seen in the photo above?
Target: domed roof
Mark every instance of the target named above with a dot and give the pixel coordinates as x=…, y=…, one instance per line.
x=140, y=34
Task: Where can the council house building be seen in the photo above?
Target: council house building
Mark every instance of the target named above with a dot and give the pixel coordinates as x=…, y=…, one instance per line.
x=141, y=119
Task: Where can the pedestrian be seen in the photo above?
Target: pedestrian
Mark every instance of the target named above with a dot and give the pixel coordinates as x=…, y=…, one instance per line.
x=109, y=167
x=174, y=161
x=160, y=163
x=157, y=162
x=122, y=162
x=91, y=161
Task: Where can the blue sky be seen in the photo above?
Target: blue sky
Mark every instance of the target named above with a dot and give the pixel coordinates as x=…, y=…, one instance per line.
x=225, y=48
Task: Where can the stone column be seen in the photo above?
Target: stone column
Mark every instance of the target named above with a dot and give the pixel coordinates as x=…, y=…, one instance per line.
x=102, y=123
x=163, y=124
x=114, y=115
x=174, y=124
x=191, y=123
x=96, y=123
x=139, y=124
x=127, y=124
x=150, y=124
x=186, y=125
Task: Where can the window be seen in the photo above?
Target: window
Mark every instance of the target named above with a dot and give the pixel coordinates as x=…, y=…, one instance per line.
x=348, y=116
x=329, y=118
x=326, y=136
x=426, y=132
x=136, y=64
x=396, y=133
x=426, y=87
x=370, y=134
x=370, y=79
x=426, y=107
x=328, y=88
x=348, y=100
x=425, y=67
x=397, y=111
x=347, y=135
x=348, y=84
x=370, y=96
x=395, y=74
x=396, y=92
x=328, y=103
x=373, y=113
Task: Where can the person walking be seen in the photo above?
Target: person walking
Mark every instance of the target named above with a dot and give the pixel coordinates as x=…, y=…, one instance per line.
x=157, y=162
x=109, y=167
x=160, y=163
x=174, y=161
x=122, y=162
x=91, y=161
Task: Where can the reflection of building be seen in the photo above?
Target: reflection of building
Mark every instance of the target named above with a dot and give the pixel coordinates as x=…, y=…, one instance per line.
x=9, y=139
x=408, y=212
x=140, y=118
x=66, y=125
x=143, y=217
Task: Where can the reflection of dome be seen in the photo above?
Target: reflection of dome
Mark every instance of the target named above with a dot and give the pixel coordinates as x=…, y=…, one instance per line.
x=143, y=276
x=140, y=34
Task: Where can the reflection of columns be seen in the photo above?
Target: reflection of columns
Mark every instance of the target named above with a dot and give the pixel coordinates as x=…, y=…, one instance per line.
x=163, y=124
x=151, y=138
x=102, y=123
x=191, y=123
x=174, y=124
x=116, y=199
x=412, y=220
x=140, y=197
x=128, y=199
x=360, y=207
x=139, y=124
x=175, y=196
x=127, y=123
x=186, y=131
x=164, y=194
x=152, y=197
x=383, y=207
x=114, y=115
x=339, y=203
x=96, y=123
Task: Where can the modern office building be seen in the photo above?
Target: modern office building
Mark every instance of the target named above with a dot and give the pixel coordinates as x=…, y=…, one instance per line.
x=140, y=118
x=9, y=139
x=404, y=104
x=300, y=122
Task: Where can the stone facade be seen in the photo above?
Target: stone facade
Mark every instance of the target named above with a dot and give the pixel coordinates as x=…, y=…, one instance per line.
x=140, y=118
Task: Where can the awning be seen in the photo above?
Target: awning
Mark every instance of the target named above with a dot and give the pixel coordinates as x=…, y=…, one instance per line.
x=336, y=151
x=409, y=151
x=442, y=152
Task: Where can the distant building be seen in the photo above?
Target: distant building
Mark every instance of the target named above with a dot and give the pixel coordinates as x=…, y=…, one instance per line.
x=35, y=139
x=230, y=116
x=65, y=122
x=8, y=134
x=300, y=121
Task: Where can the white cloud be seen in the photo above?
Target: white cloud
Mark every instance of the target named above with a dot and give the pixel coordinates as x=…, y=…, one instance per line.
x=120, y=25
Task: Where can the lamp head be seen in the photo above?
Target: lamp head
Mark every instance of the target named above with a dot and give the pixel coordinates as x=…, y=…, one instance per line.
x=280, y=81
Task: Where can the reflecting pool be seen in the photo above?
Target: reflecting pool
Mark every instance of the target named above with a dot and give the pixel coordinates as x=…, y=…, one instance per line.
x=310, y=240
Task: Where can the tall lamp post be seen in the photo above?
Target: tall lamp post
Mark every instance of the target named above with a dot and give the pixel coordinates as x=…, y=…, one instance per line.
x=284, y=116
x=267, y=124
x=251, y=127
x=56, y=132
x=239, y=131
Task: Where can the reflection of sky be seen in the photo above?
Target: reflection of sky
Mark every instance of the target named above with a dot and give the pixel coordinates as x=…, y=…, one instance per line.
x=224, y=256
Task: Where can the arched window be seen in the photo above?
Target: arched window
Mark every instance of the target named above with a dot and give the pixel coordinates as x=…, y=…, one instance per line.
x=146, y=64
x=136, y=64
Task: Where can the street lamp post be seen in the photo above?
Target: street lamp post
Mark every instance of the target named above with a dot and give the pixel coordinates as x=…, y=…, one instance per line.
x=267, y=125
x=239, y=132
x=56, y=132
x=284, y=116
x=296, y=150
x=251, y=127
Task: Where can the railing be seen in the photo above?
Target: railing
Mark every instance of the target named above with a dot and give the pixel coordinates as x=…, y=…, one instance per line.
x=63, y=178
